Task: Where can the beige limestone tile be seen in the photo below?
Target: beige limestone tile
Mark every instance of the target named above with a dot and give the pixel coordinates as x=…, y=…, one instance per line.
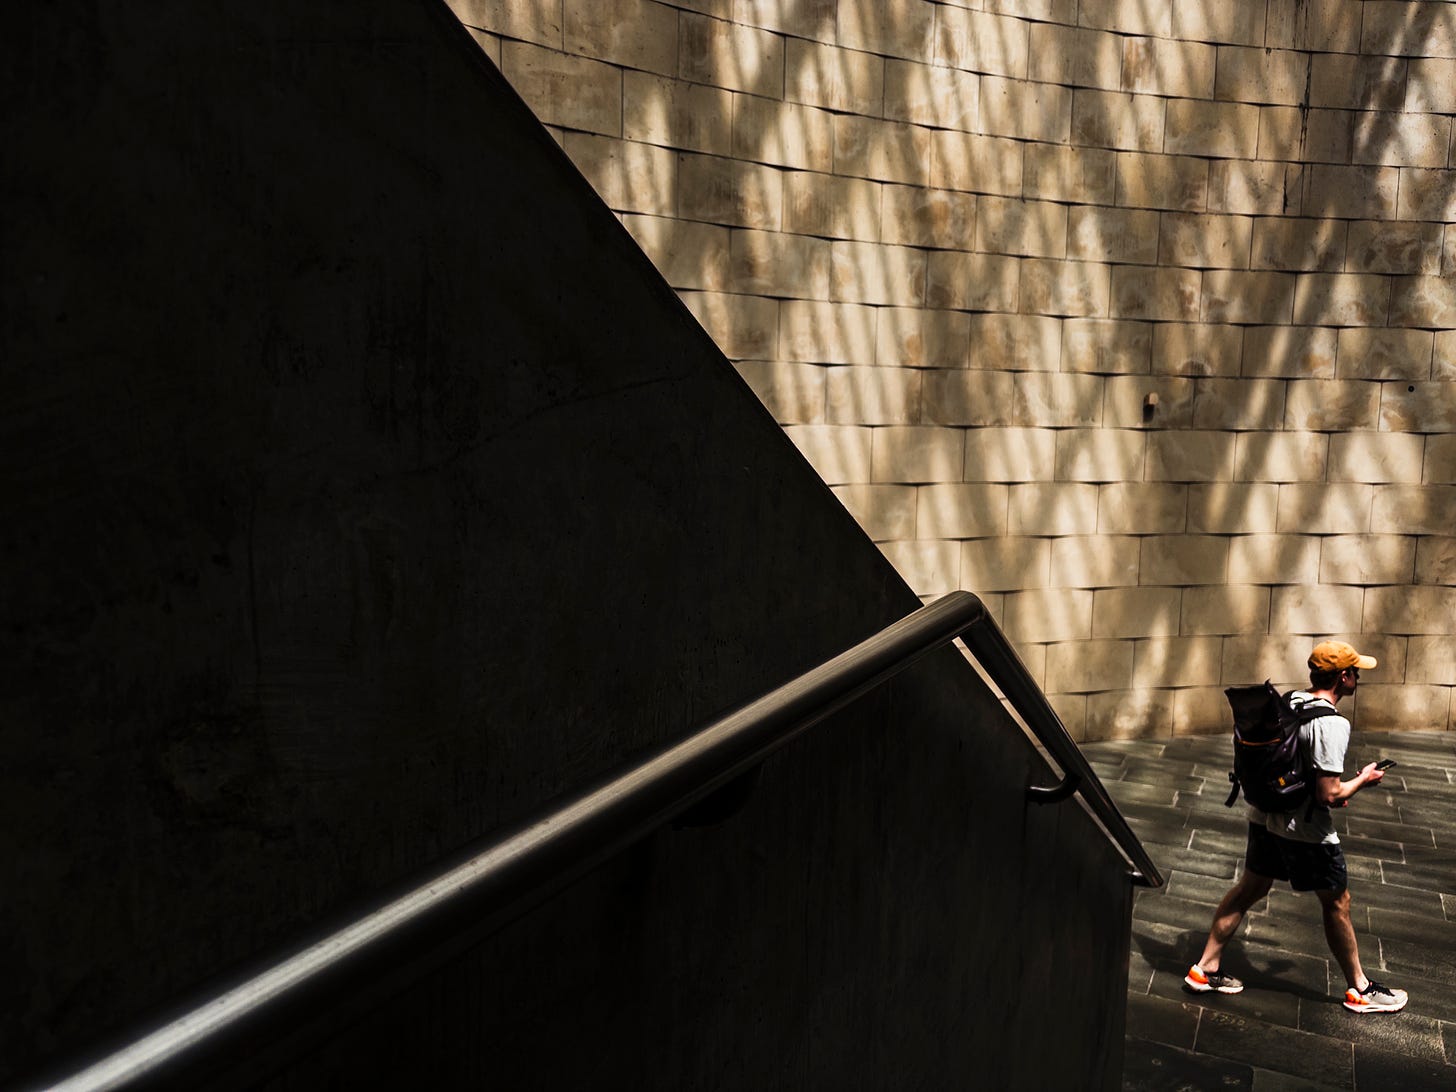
x=1177, y=661
x=1294, y=352
x=1381, y=353
x=1439, y=465
x=1074, y=56
x=1418, y=407
x=1094, y=561
x=1106, y=346
x=918, y=216
x=1273, y=559
x=1428, y=660
x=1049, y=11
x=1148, y=402
x=1256, y=188
x=873, y=396
x=1233, y=508
x=743, y=327
x=1166, y=66
x=1356, y=193
x=1423, y=301
x=1018, y=400
x=1319, y=509
x=975, y=163
x=628, y=177
x=1448, y=254
x=537, y=21
x=1238, y=404
x=930, y=568
x=918, y=454
x=1427, y=194
x=637, y=34
x=1054, y=172
x=688, y=255
x=1142, y=508
x=721, y=9
x=1052, y=508
x=1400, y=140
x=1117, y=119
x=1367, y=559
x=1316, y=609
x=1195, y=349
x=840, y=454
x=877, y=273
x=572, y=92
x=1342, y=299
x=1206, y=240
x=1443, y=367
x=1075, y=667
x=826, y=333
x=896, y=28
x=933, y=95
x=1408, y=29
x=972, y=282
x=1331, y=405
x=1240, y=22
x=1246, y=296
x=1261, y=75
x=727, y=191
x=1051, y=287
x=1025, y=110
x=1010, y=455
x=783, y=134
x=1431, y=86
x=961, y=510
x=1254, y=657
x=490, y=44
x=843, y=80
x=1005, y=563
x=1112, y=235
x=1183, y=559
x=1311, y=136
x=913, y=337
x=1209, y=612
x=1424, y=609
x=1386, y=707
x=1288, y=243
x=1041, y=615
x=727, y=55
x=1136, y=612
x=1155, y=181
x=1436, y=561
x=886, y=512
x=1221, y=129
x=1150, y=17
x=1071, y=710
x=888, y=151
x=979, y=41
x=1312, y=24
x=1190, y=457
x=1015, y=226
x=1377, y=246
x=1099, y=455
x=1347, y=81
x=772, y=263
x=803, y=18
x=837, y=208
x=1015, y=343
x=1170, y=295
x=793, y=393
x=1131, y=714
x=1281, y=456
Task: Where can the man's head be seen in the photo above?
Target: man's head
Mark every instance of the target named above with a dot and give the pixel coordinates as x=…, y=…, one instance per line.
x=1335, y=664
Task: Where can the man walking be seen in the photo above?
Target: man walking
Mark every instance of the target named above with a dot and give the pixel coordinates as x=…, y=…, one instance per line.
x=1302, y=847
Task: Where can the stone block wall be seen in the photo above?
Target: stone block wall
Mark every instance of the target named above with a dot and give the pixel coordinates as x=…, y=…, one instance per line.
x=1135, y=317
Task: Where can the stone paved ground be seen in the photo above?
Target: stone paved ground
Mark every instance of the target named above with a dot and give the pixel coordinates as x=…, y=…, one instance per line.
x=1287, y=1030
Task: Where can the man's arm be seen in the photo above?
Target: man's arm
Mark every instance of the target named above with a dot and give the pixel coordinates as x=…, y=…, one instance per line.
x=1334, y=793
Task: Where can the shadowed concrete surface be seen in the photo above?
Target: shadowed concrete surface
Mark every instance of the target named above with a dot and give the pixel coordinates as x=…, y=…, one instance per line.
x=1288, y=1030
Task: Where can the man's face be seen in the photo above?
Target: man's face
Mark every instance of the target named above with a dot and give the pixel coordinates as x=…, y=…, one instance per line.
x=1349, y=680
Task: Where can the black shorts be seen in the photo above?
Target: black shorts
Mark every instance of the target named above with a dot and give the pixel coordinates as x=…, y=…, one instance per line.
x=1308, y=866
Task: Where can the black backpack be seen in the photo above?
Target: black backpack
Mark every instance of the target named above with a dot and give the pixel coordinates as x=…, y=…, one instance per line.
x=1269, y=764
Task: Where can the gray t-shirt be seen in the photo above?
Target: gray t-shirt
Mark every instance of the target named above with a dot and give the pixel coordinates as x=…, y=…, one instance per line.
x=1324, y=740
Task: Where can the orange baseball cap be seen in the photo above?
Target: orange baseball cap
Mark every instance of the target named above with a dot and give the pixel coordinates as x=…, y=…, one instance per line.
x=1336, y=656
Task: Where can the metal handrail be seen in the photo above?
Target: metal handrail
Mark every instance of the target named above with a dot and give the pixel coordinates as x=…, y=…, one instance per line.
x=486, y=886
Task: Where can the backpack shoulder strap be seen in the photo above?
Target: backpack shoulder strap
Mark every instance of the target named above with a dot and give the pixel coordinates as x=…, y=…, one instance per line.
x=1307, y=711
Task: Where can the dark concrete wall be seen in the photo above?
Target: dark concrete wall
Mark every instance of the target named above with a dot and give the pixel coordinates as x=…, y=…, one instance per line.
x=364, y=489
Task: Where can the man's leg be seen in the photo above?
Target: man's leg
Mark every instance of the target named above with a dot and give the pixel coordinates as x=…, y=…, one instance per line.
x=1340, y=935
x=1230, y=914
